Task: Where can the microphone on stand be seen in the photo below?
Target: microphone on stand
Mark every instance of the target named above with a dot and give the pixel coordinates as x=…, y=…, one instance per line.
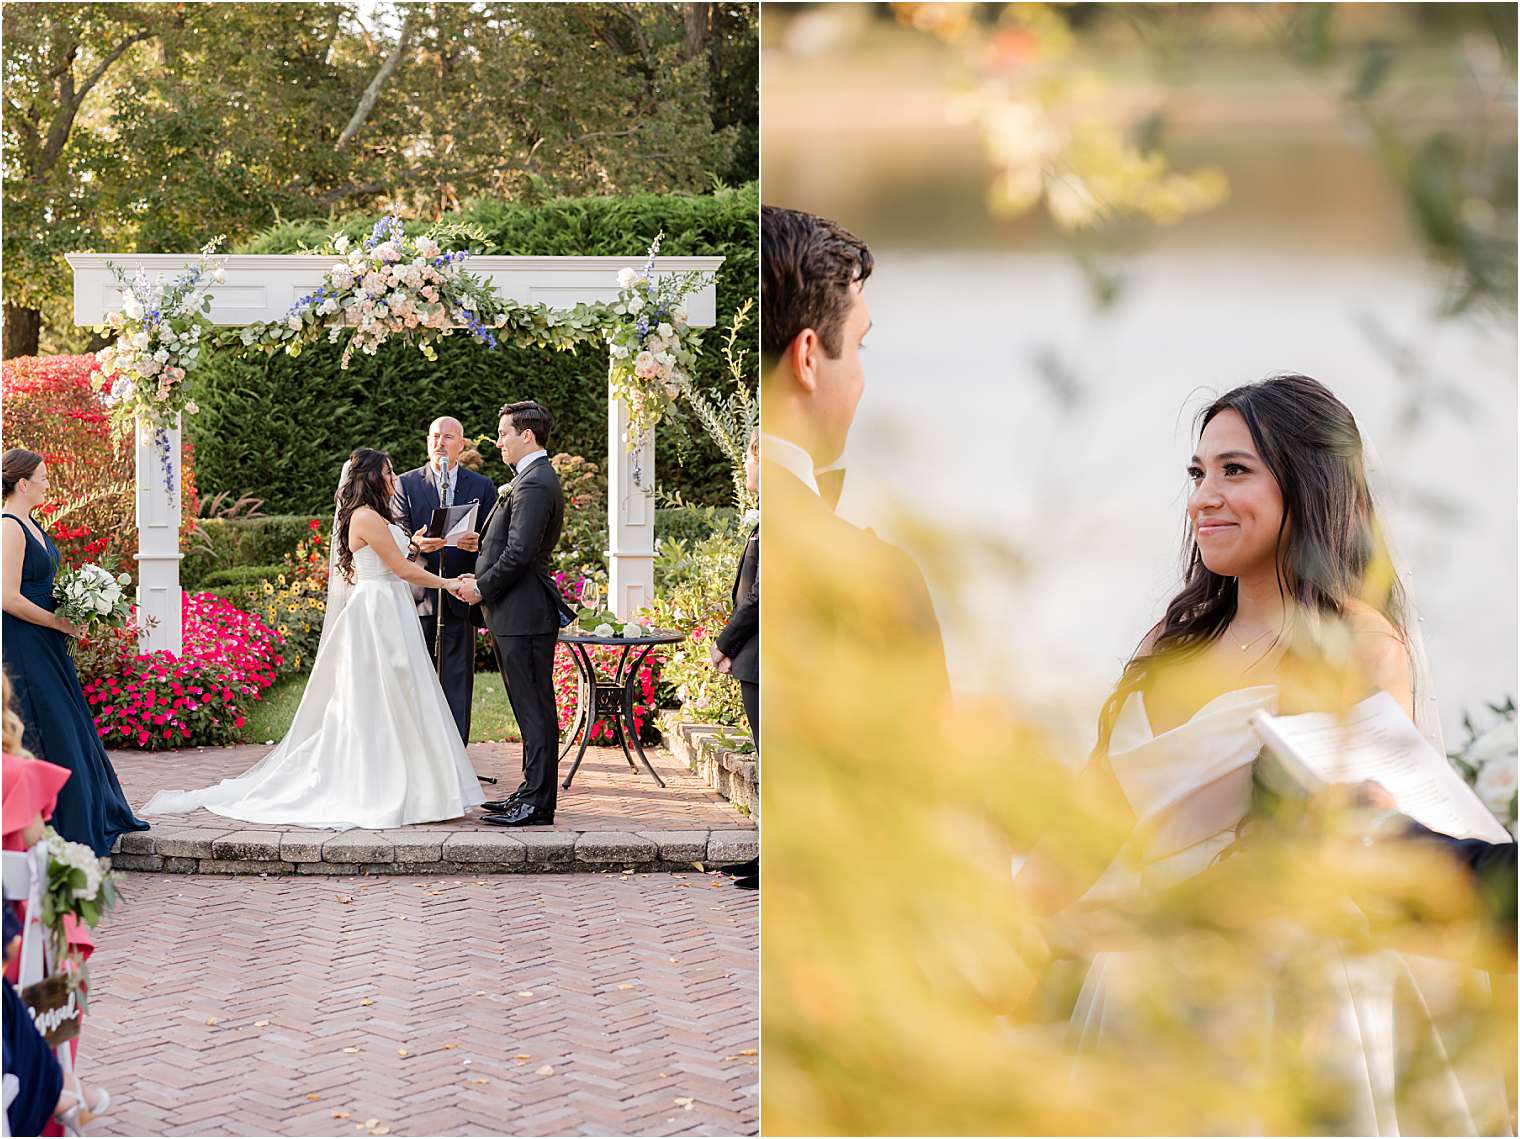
x=443, y=490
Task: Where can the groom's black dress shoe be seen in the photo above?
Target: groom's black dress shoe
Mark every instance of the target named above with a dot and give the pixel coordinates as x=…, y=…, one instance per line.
x=520, y=814
x=499, y=805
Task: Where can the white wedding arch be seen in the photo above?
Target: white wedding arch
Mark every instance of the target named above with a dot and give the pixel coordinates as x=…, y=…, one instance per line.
x=260, y=288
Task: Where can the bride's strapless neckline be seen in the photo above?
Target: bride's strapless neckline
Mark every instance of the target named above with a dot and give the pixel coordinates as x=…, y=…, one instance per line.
x=1251, y=691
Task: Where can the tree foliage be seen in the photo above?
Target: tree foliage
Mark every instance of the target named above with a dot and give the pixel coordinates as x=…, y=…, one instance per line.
x=149, y=127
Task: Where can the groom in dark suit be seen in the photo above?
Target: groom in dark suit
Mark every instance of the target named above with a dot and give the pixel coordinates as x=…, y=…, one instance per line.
x=523, y=607
x=443, y=482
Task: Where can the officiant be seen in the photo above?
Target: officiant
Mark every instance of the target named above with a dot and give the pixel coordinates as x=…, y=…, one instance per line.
x=444, y=482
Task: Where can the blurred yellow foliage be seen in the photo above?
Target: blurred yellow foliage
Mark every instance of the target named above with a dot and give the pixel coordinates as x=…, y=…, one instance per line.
x=908, y=988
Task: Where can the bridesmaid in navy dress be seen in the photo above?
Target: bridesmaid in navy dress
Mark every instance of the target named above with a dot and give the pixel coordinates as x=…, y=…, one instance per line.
x=59, y=728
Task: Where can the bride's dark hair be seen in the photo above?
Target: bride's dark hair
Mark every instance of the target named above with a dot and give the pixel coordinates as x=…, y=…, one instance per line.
x=366, y=485
x=1326, y=542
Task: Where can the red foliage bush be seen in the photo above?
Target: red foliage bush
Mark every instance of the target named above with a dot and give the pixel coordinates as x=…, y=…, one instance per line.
x=49, y=407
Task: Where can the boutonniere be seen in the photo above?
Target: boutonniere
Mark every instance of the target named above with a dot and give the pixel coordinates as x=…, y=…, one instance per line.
x=504, y=490
x=751, y=518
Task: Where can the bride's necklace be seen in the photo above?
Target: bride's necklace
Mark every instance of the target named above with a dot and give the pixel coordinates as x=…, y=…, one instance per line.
x=1252, y=641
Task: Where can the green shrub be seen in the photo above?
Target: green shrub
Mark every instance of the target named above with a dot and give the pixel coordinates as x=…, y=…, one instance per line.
x=279, y=428
x=241, y=585
x=695, y=595
x=238, y=542
x=690, y=524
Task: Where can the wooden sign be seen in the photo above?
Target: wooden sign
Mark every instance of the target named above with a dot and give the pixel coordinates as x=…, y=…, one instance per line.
x=55, y=1009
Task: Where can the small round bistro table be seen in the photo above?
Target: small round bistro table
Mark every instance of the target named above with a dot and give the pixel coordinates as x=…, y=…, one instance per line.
x=598, y=696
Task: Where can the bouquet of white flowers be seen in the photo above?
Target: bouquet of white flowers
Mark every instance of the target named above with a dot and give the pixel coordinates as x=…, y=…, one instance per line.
x=652, y=348
x=92, y=595
x=77, y=886
x=1488, y=760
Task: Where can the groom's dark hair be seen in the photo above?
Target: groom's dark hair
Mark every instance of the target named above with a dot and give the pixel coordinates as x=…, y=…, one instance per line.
x=529, y=416
x=807, y=265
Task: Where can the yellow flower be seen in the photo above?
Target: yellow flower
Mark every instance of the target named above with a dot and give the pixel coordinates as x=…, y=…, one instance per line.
x=281, y=579
x=268, y=588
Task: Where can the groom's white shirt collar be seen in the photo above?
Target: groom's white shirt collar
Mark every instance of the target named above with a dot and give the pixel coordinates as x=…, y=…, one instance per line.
x=790, y=457
x=527, y=460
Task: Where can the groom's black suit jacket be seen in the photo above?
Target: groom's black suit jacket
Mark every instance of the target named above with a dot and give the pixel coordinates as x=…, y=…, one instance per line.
x=518, y=598
x=739, y=639
x=419, y=494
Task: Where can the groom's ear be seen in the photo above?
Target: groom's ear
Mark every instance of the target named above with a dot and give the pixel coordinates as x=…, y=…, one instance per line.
x=801, y=356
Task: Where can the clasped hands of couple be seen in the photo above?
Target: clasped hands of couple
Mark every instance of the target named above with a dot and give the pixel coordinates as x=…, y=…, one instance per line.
x=463, y=586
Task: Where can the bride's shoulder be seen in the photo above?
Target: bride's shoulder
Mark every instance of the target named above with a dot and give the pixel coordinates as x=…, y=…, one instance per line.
x=1366, y=622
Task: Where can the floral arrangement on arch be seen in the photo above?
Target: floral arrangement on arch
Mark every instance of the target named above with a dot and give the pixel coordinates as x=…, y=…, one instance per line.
x=652, y=348
x=390, y=285
x=159, y=329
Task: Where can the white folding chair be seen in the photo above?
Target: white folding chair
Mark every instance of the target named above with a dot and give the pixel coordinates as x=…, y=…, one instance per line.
x=24, y=879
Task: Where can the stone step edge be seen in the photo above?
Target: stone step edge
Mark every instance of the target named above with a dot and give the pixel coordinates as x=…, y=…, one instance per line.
x=187, y=850
x=733, y=774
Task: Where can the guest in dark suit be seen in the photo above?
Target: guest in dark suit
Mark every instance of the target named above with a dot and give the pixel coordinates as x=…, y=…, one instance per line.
x=736, y=648
x=523, y=608
x=443, y=481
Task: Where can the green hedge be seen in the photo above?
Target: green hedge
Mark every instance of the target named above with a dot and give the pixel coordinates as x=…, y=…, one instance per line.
x=691, y=524
x=241, y=585
x=279, y=428
x=237, y=542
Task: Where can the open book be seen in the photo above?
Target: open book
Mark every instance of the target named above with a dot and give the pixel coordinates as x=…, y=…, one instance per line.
x=452, y=522
x=1375, y=740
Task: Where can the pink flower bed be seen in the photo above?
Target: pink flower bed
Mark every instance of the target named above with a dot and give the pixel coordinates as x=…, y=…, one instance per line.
x=157, y=700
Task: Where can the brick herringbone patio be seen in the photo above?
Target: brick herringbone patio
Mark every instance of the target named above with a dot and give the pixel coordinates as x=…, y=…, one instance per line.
x=508, y=1005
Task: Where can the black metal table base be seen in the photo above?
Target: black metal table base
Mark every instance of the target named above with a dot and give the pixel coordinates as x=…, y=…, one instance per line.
x=596, y=697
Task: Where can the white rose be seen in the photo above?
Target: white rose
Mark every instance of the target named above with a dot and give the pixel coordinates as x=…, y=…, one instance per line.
x=294, y=321
x=341, y=245
x=102, y=605
x=626, y=277
x=218, y=275
x=140, y=341
x=131, y=306
x=162, y=355
x=604, y=630
x=665, y=331
x=633, y=630
x=635, y=304
x=678, y=314
x=1499, y=742
x=1496, y=786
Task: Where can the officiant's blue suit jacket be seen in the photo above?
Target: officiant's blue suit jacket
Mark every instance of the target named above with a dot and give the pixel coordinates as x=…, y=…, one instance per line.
x=419, y=496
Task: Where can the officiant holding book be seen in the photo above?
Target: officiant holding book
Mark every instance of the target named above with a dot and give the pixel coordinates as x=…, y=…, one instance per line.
x=442, y=483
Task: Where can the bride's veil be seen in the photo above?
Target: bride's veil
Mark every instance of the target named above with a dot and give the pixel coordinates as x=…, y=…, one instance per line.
x=338, y=587
x=1427, y=707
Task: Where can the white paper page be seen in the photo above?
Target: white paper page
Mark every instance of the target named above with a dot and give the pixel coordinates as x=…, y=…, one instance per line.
x=1377, y=741
x=464, y=526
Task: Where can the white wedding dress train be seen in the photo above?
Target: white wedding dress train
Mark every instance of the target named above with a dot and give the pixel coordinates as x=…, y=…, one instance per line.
x=373, y=743
x=1190, y=787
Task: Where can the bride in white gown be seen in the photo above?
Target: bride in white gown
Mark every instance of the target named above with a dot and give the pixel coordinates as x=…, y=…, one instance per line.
x=373, y=743
x=1284, y=551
